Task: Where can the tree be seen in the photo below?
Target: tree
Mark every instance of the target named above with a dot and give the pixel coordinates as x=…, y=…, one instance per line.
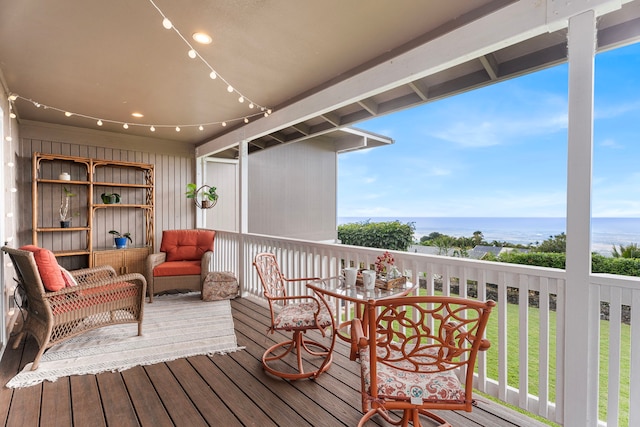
x=478, y=238
x=557, y=244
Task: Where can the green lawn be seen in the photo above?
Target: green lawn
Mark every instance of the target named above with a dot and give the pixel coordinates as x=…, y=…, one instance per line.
x=534, y=337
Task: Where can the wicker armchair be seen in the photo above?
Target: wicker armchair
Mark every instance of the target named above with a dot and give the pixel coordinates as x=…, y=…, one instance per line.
x=101, y=298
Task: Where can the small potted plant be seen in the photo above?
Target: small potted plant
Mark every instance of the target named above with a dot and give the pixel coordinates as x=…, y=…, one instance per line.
x=121, y=239
x=110, y=198
x=207, y=195
x=65, y=206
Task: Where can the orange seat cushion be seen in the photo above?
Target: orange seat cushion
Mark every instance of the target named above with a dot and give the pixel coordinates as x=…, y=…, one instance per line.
x=186, y=245
x=177, y=268
x=48, y=267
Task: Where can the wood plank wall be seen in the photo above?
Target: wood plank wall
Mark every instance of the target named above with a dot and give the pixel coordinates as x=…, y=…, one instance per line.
x=173, y=170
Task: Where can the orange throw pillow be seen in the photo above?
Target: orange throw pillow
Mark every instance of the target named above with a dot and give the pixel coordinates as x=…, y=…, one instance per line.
x=48, y=267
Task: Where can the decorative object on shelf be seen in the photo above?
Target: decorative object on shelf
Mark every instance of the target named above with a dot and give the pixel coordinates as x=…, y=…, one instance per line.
x=64, y=176
x=65, y=206
x=110, y=198
x=121, y=239
x=204, y=197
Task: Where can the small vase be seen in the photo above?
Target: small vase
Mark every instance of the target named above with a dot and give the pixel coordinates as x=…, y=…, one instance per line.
x=121, y=242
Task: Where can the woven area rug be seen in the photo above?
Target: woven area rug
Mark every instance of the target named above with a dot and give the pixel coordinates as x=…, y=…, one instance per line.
x=174, y=326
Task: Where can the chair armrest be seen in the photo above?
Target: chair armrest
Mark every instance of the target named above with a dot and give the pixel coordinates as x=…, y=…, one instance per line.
x=154, y=260
x=206, y=265
x=358, y=339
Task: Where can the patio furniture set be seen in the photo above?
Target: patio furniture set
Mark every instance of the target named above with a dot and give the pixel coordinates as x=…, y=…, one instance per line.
x=417, y=353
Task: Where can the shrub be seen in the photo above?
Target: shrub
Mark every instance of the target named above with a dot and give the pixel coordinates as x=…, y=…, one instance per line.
x=391, y=235
x=541, y=259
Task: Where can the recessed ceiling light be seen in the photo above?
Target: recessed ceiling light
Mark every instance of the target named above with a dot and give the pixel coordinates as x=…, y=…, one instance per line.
x=138, y=115
x=202, y=38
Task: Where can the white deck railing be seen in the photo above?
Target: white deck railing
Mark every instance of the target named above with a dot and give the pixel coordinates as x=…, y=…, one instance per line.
x=531, y=299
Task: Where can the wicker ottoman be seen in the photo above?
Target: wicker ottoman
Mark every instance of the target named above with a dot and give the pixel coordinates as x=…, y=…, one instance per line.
x=220, y=285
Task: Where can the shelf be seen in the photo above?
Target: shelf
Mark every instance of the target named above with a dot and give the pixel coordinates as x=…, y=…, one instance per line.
x=92, y=176
x=123, y=185
x=58, y=229
x=60, y=181
x=71, y=253
x=120, y=205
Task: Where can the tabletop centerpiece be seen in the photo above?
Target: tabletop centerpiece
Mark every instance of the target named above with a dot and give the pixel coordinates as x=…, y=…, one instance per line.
x=389, y=276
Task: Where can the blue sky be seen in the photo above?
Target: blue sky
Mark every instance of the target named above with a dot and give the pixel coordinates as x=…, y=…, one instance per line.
x=500, y=151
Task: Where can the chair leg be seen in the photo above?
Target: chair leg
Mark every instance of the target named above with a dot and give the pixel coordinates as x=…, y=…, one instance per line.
x=297, y=345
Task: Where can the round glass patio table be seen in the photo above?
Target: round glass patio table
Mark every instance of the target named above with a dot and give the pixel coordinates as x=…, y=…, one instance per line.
x=334, y=287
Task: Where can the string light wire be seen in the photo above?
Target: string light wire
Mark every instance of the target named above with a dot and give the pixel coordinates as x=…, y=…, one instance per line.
x=126, y=125
x=193, y=53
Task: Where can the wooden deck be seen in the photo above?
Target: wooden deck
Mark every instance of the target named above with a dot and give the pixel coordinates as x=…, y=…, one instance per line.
x=223, y=390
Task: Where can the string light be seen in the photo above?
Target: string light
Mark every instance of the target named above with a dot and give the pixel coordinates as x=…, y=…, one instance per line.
x=126, y=125
x=193, y=53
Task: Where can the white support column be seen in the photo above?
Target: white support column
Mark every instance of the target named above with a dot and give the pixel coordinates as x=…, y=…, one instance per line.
x=243, y=208
x=580, y=381
x=201, y=173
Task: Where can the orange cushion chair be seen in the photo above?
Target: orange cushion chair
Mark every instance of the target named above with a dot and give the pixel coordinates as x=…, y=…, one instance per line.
x=185, y=258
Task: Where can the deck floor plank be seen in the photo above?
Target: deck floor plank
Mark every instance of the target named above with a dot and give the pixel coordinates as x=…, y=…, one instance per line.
x=174, y=398
x=148, y=405
x=233, y=393
x=118, y=409
x=230, y=390
x=211, y=407
x=56, y=403
x=86, y=398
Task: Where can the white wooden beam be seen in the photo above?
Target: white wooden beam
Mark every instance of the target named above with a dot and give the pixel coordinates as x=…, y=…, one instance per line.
x=490, y=65
x=580, y=350
x=516, y=22
x=369, y=105
x=420, y=89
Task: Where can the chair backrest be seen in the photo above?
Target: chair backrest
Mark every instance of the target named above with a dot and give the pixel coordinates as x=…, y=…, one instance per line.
x=29, y=280
x=273, y=282
x=427, y=334
x=186, y=245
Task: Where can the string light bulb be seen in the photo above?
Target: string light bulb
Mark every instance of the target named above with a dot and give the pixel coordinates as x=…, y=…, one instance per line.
x=99, y=122
x=152, y=128
x=68, y=114
x=177, y=128
x=166, y=23
x=192, y=54
x=241, y=99
x=246, y=120
x=229, y=88
x=213, y=75
x=200, y=128
x=13, y=97
x=126, y=126
x=12, y=115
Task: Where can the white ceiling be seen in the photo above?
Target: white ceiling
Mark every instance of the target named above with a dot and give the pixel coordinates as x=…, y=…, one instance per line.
x=107, y=59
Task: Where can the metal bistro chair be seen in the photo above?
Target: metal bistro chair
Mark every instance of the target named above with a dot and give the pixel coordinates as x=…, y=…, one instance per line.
x=297, y=314
x=418, y=354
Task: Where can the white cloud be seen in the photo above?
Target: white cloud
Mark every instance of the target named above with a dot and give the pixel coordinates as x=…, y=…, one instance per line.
x=611, y=143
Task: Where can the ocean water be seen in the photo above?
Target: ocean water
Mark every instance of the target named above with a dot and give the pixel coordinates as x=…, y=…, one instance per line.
x=605, y=232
